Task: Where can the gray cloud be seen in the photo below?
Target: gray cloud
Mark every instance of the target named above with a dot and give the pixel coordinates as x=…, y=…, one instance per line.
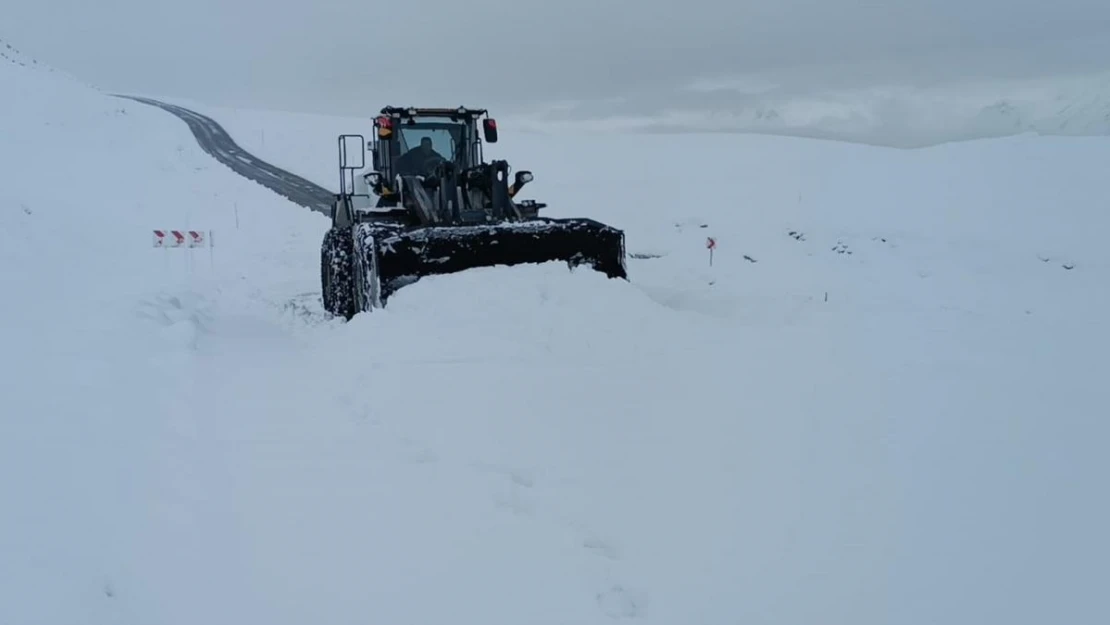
x=351, y=56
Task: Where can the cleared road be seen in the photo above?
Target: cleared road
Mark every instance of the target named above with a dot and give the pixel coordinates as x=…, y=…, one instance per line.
x=214, y=140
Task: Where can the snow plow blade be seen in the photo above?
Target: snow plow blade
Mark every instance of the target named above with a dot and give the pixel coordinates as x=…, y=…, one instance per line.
x=400, y=258
x=387, y=258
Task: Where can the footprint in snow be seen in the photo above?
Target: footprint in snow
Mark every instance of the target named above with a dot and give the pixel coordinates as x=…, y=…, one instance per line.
x=620, y=602
x=416, y=453
x=602, y=548
x=512, y=493
x=423, y=456
x=515, y=502
x=520, y=477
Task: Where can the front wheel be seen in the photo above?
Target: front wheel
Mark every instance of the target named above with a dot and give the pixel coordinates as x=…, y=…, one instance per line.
x=337, y=273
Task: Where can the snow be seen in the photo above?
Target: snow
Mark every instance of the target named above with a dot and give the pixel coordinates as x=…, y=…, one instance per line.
x=304, y=143
x=897, y=115
x=883, y=402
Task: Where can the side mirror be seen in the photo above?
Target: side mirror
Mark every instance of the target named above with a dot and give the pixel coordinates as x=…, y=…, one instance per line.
x=489, y=129
x=352, y=154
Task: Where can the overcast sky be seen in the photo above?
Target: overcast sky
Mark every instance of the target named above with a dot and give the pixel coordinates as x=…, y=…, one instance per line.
x=351, y=56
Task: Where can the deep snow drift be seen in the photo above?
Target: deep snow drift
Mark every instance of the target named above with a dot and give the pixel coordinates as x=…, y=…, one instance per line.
x=882, y=403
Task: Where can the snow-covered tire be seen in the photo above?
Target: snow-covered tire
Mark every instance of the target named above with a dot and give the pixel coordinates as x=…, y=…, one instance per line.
x=367, y=287
x=337, y=273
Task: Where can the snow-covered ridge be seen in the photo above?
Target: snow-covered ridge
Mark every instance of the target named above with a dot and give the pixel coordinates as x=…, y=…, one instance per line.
x=17, y=58
x=890, y=116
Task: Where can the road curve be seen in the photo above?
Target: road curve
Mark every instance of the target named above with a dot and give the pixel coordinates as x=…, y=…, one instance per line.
x=214, y=140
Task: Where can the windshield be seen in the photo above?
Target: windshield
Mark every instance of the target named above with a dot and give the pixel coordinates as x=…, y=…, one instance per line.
x=445, y=137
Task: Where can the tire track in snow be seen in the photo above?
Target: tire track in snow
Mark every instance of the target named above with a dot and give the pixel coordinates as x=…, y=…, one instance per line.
x=214, y=140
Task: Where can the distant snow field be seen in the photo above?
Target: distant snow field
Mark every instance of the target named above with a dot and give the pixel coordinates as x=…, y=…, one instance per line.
x=901, y=116
x=882, y=403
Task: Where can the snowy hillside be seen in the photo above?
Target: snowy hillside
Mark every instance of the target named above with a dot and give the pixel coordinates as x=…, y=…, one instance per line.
x=109, y=476
x=883, y=403
x=893, y=116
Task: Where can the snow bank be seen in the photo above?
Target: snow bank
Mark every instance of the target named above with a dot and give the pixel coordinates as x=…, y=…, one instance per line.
x=103, y=515
x=882, y=402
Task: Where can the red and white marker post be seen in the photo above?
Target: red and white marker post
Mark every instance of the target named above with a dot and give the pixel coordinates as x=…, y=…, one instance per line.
x=182, y=238
x=188, y=239
x=711, y=244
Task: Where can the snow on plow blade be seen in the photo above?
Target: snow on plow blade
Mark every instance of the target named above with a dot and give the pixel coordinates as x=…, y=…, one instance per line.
x=390, y=257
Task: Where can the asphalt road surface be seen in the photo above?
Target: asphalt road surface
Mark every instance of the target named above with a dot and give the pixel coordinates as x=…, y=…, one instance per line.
x=214, y=140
